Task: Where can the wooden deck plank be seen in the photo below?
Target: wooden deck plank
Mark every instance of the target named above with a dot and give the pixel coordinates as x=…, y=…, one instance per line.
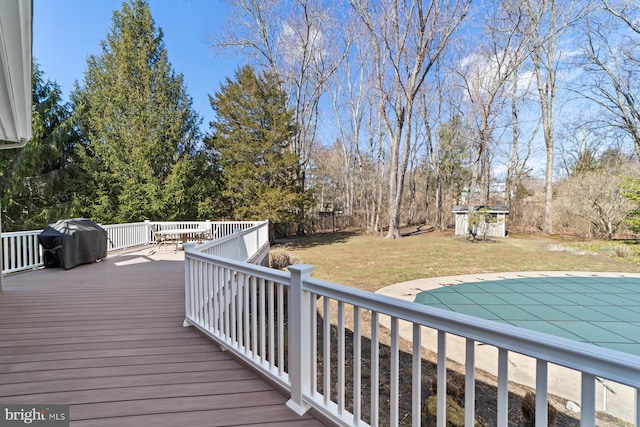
x=107, y=339
x=128, y=375
x=61, y=365
x=295, y=423
x=211, y=418
x=51, y=332
x=65, y=355
x=230, y=385
x=219, y=369
x=105, y=345
x=107, y=336
x=234, y=398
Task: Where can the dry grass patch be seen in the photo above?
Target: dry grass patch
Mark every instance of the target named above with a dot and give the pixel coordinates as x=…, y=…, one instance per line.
x=371, y=262
x=281, y=259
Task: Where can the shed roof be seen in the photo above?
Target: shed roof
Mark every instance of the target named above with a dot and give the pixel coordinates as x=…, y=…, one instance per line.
x=490, y=208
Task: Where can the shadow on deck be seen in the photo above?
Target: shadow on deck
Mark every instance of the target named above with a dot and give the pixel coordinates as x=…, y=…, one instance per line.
x=107, y=339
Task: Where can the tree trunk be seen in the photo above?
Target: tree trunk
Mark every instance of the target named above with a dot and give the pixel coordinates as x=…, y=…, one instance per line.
x=395, y=188
x=515, y=136
x=548, y=192
x=474, y=182
x=439, y=208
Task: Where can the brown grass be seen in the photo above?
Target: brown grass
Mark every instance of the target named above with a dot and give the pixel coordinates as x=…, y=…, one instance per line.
x=371, y=262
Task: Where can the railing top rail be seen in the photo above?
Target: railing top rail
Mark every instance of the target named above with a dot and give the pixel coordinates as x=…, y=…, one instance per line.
x=219, y=240
x=278, y=276
x=20, y=233
x=599, y=361
x=31, y=232
x=207, y=221
x=130, y=224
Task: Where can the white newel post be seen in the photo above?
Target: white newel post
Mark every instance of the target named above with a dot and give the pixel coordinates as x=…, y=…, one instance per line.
x=299, y=338
x=149, y=238
x=238, y=246
x=188, y=247
x=259, y=234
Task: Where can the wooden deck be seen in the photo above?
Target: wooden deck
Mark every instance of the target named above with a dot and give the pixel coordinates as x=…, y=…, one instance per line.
x=107, y=339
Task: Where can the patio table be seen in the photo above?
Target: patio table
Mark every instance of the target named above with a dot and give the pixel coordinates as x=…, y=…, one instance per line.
x=182, y=235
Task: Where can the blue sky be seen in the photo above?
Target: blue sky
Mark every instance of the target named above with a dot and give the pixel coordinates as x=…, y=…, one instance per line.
x=66, y=32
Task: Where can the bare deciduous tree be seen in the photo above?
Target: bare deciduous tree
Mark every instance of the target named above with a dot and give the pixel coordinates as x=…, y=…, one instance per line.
x=545, y=22
x=596, y=197
x=517, y=160
x=487, y=73
x=406, y=38
x=612, y=62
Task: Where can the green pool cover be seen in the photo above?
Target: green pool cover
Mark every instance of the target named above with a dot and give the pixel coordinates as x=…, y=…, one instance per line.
x=601, y=310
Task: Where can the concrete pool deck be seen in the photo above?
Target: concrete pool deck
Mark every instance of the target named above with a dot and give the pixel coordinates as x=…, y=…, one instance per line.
x=553, y=302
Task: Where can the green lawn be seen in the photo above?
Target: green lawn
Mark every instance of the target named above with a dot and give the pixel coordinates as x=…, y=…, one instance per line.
x=371, y=262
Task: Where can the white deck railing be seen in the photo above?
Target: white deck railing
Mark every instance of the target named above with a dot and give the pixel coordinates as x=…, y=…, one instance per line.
x=123, y=236
x=269, y=318
x=21, y=251
x=248, y=242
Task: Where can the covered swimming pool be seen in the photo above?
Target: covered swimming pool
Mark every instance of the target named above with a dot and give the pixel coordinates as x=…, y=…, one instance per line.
x=601, y=310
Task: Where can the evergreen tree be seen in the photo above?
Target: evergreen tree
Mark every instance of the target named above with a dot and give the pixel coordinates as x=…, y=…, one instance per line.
x=630, y=187
x=252, y=134
x=39, y=180
x=138, y=126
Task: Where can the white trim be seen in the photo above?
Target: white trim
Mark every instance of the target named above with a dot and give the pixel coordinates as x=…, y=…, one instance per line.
x=15, y=72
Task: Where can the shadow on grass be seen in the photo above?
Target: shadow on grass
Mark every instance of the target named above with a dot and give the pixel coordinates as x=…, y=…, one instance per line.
x=420, y=229
x=630, y=242
x=313, y=240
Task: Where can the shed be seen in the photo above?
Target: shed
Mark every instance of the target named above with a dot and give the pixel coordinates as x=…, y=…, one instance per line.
x=497, y=227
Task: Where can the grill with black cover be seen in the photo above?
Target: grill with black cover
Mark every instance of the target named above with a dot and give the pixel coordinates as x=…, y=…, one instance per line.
x=71, y=242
